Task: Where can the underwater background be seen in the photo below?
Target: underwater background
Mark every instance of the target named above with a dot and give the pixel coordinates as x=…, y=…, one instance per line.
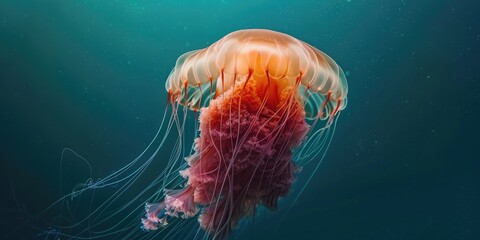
x=403, y=164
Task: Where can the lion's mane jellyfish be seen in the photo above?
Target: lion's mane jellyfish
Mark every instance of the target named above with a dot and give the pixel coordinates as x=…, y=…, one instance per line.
x=260, y=97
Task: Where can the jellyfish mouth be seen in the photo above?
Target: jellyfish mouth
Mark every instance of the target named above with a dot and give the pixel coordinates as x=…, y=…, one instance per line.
x=264, y=121
x=266, y=88
x=269, y=91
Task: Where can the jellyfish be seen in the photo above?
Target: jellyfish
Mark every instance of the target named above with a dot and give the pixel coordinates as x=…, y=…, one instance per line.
x=265, y=103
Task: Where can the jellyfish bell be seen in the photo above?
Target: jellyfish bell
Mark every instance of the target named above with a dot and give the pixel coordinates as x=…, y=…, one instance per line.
x=275, y=60
x=256, y=91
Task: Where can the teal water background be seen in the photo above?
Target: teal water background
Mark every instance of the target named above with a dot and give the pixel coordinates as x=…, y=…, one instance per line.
x=89, y=75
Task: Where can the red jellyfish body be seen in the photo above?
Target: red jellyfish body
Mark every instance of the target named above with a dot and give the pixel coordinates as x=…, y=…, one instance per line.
x=260, y=95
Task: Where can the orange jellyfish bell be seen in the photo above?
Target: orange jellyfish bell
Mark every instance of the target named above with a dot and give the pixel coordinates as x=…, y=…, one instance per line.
x=256, y=91
x=275, y=60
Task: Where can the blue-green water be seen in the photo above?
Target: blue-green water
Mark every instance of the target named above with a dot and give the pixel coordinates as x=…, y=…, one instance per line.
x=89, y=75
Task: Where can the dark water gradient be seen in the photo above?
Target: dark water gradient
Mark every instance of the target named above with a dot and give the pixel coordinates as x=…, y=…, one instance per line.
x=404, y=162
